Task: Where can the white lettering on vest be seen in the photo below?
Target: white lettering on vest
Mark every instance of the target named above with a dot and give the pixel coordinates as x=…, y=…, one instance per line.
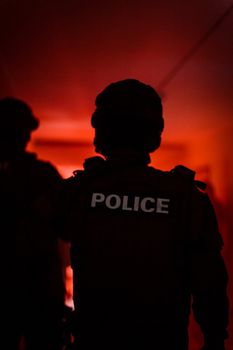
x=144, y=202
x=110, y=201
x=162, y=205
x=125, y=203
x=131, y=203
x=136, y=203
x=97, y=198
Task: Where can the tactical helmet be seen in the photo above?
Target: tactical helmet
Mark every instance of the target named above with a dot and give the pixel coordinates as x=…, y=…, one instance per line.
x=128, y=114
x=16, y=115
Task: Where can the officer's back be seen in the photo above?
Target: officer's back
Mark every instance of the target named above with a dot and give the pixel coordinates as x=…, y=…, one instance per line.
x=136, y=233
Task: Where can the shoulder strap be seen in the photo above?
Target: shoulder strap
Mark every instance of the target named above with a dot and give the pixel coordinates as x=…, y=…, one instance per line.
x=92, y=166
x=188, y=174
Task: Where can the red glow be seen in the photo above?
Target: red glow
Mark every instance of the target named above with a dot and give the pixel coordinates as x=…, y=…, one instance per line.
x=58, y=55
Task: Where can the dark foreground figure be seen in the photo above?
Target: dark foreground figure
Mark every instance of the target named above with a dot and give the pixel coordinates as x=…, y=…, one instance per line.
x=32, y=286
x=145, y=244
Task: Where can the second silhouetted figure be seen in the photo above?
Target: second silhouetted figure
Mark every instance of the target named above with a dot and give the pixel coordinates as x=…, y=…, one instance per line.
x=33, y=292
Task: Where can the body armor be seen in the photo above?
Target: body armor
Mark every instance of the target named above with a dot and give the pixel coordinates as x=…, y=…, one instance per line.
x=144, y=244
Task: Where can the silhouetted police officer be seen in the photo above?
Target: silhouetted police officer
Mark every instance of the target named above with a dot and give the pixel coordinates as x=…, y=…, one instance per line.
x=145, y=243
x=32, y=286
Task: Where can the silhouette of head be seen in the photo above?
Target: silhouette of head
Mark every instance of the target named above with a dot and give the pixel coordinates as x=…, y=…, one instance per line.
x=128, y=115
x=16, y=124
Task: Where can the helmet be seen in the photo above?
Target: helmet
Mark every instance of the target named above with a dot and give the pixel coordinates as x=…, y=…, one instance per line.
x=17, y=116
x=128, y=114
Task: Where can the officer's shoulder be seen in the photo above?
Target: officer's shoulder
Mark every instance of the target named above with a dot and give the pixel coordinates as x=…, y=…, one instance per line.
x=91, y=167
x=94, y=165
x=72, y=181
x=70, y=187
x=40, y=167
x=181, y=177
x=187, y=177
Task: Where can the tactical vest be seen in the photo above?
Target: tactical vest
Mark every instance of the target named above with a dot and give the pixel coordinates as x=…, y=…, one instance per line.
x=129, y=228
x=136, y=234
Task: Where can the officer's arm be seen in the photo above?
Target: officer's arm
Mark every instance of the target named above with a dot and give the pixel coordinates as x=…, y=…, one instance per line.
x=62, y=212
x=209, y=277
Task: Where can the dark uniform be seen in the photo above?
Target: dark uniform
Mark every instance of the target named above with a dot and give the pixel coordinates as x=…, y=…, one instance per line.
x=32, y=283
x=145, y=246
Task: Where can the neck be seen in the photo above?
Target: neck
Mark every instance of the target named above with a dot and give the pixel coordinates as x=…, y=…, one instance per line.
x=129, y=156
